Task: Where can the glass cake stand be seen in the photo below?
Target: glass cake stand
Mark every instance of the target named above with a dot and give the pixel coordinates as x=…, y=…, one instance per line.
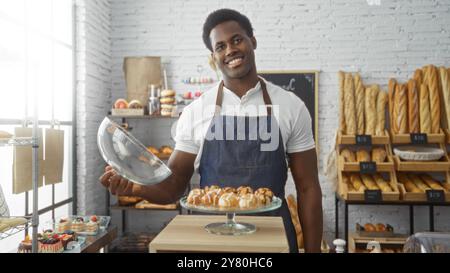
x=231, y=227
x=129, y=157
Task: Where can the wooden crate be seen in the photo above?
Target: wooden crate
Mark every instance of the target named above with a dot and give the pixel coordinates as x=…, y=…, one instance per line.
x=447, y=135
x=358, y=243
x=359, y=196
x=351, y=139
x=421, y=197
x=406, y=138
x=443, y=165
x=387, y=166
x=127, y=112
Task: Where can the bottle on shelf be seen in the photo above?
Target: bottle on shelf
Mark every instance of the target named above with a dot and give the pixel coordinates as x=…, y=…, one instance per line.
x=154, y=105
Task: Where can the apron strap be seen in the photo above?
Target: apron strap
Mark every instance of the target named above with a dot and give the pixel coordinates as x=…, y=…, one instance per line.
x=266, y=98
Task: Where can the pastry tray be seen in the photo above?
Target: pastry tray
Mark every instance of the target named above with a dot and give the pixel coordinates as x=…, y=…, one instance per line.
x=276, y=204
x=102, y=220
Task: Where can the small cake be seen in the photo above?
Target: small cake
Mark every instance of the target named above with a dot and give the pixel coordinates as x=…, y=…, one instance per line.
x=25, y=246
x=210, y=199
x=78, y=225
x=243, y=190
x=63, y=225
x=50, y=245
x=248, y=201
x=91, y=227
x=228, y=200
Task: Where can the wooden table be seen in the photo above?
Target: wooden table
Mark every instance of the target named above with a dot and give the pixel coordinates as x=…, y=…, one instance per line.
x=95, y=243
x=186, y=233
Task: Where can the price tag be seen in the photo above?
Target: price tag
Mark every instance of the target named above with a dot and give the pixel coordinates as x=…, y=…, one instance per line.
x=419, y=138
x=368, y=167
x=436, y=196
x=364, y=140
x=372, y=196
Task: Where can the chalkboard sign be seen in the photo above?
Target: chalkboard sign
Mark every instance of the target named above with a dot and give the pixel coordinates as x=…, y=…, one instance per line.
x=305, y=84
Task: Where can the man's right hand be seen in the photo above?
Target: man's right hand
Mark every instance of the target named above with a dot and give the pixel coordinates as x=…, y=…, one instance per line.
x=116, y=184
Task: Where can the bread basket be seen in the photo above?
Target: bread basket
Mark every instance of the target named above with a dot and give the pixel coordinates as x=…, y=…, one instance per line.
x=419, y=153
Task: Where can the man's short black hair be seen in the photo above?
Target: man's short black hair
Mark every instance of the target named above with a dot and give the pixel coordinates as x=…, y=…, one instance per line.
x=223, y=15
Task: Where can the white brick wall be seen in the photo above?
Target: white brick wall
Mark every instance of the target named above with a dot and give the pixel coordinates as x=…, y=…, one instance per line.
x=380, y=42
x=93, y=64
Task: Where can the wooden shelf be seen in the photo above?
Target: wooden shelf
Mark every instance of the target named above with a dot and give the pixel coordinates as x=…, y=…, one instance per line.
x=406, y=138
x=422, y=166
x=143, y=117
x=157, y=207
x=351, y=139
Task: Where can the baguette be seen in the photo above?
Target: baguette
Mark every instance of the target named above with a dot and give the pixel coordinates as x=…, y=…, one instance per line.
x=418, y=182
x=445, y=94
x=391, y=90
x=370, y=110
x=435, y=104
x=349, y=108
x=341, y=78
x=362, y=156
x=359, y=104
x=418, y=77
x=382, y=99
x=369, y=182
x=379, y=155
x=433, y=184
x=348, y=155
x=413, y=107
x=401, y=109
x=357, y=183
x=424, y=106
x=381, y=183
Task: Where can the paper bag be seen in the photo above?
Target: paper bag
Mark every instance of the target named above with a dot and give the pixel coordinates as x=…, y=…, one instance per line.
x=54, y=156
x=22, y=163
x=140, y=72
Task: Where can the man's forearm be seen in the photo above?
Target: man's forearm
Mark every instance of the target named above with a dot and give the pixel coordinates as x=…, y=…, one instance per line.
x=311, y=219
x=166, y=192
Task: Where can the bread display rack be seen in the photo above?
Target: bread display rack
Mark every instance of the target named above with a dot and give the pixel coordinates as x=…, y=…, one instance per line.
x=32, y=141
x=231, y=227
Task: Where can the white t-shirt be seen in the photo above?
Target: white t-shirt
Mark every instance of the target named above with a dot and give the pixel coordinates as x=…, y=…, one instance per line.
x=289, y=110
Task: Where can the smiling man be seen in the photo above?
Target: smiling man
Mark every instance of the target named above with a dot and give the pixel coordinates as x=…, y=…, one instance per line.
x=225, y=135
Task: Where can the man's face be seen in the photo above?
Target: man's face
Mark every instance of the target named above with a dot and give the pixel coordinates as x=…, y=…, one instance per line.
x=233, y=50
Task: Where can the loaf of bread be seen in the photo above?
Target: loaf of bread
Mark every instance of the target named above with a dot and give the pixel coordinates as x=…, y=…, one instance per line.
x=341, y=79
x=418, y=182
x=382, y=99
x=369, y=182
x=443, y=75
x=362, y=155
x=435, y=104
x=357, y=183
x=401, y=108
x=391, y=92
x=418, y=77
x=381, y=183
x=349, y=106
x=433, y=184
x=379, y=155
x=413, y=107
x=348, y=155
x=292, y=205
x=370, y=110
x=424, y=105
x=359, y=94
x=411, y=187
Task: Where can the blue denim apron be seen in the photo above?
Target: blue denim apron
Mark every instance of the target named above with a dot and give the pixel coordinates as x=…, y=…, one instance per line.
x=235, y=162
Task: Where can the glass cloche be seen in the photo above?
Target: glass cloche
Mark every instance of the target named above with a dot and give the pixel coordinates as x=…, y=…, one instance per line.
x=129, y=157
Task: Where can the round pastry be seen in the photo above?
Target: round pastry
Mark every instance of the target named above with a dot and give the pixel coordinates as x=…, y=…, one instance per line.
x=228, y=200
x=121, y=104
x=166, y=150
x=263, y=200
x=135, y=104
x=380, y=227
x=248, y=201
x=153, y=150
x=264, y=191
x=167, y=106
x=167, y=93
x=195, y=197
x=214, y=188
x=242, y=190
x=211, y=198
x=369, y=227
x=63, y=225
x=167, y=100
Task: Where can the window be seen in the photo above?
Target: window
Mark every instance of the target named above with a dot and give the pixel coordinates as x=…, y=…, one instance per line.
x=36, y=61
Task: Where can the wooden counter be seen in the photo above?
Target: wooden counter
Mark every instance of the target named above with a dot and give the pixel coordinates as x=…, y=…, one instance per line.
x=186, y=233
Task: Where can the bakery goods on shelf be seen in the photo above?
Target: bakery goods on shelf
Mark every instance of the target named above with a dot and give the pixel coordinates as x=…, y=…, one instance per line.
x=168, y=102
x=378, y=227
x=420, y=183
x=243, y=197
x=360, y=182
x=377, y=155
x=25, y=246
x=63, y=225
x=50, y=242
x=128, y=200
